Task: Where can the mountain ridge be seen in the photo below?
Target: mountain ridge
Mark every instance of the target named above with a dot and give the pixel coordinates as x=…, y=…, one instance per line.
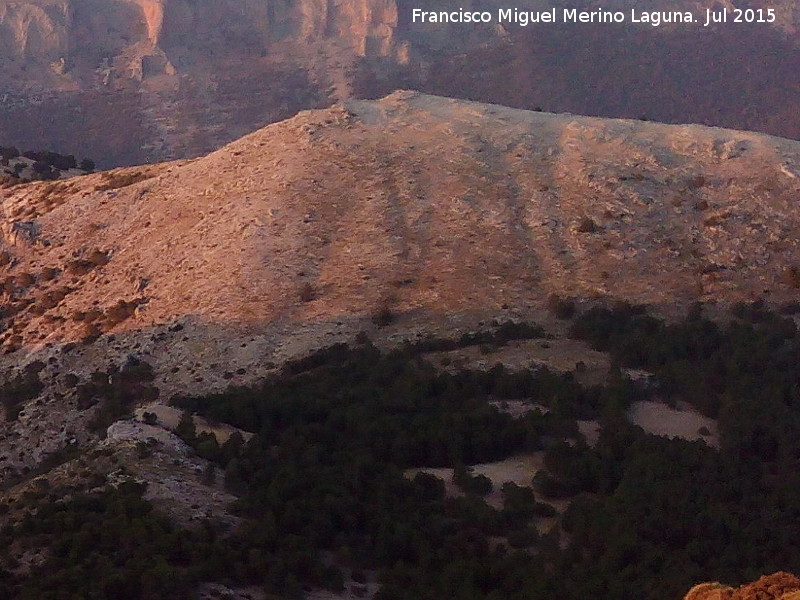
x=422, y=206
x=137, y=82
x=576, y=188
x=432, y=214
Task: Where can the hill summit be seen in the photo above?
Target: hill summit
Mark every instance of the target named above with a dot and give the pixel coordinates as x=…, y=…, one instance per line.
x=431, y=212
x=417, y=202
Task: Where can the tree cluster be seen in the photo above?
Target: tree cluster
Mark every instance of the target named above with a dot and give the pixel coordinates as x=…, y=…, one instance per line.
x=324, y=490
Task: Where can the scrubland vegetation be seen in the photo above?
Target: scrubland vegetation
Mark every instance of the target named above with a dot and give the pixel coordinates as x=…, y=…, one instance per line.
x=44, y=165
x=323, y=490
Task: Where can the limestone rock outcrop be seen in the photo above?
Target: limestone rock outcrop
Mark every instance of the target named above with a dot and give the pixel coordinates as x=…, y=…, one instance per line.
x=777, y=586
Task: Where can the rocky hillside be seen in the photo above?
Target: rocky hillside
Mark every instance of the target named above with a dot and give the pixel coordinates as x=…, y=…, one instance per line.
x=136, y=81
x=778, y=586
x=427, y=213
x=486, y=234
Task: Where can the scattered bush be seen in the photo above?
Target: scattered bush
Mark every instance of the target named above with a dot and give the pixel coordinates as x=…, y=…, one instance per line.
x=90, y=333
x=384, y=317
x=307, y=293
x=23, y=387
x=80, y=267
x=587, y=225
x=9, y=152
x=479, y=485
x=48, y=273
x=113, y=180
x=791, y=276
x=503, y=332
x=696, y=182
x=562, y=308
x=98, y=258
x=25, y=279
x=119, y=312
x=116, y=391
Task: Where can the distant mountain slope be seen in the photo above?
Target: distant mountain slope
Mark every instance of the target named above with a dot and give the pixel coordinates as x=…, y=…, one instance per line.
x=418, y=203
x=737, y=76
x=137, y=81
x=432, y=212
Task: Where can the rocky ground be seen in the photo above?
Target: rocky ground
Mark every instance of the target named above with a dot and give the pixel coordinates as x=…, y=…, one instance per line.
x=778, y=586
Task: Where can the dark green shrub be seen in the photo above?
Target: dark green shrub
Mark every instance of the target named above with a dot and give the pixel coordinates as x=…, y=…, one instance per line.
x=562, y=308
x=385, y=316
x=479, y=485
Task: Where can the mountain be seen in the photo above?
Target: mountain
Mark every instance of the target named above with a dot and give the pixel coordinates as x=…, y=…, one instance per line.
x=436, y=213
x=129, y=82
x=387, y=340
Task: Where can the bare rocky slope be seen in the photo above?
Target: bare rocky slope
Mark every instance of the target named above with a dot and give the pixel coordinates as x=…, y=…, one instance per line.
x=134, y=81
x=778, y=586
x=441, y=213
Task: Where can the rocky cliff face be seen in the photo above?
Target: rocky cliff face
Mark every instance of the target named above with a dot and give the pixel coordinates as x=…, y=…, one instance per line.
x=34, y=31
x=44, y=31
x=131, y=81
x=137, y=80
